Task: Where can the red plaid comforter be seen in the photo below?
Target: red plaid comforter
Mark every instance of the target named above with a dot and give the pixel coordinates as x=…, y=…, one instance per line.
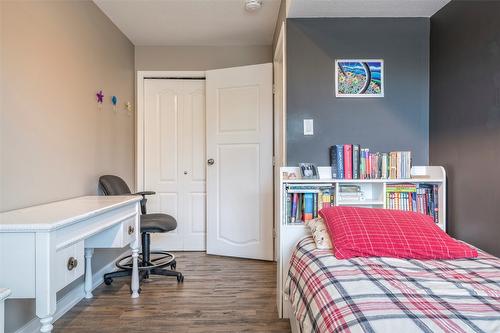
x=393, y=295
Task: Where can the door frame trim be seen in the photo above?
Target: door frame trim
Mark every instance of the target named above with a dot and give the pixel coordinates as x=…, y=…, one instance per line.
x=139, y=114
x=279, y=150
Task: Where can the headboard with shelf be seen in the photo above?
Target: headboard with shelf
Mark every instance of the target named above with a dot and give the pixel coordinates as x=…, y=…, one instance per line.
x=426, y=183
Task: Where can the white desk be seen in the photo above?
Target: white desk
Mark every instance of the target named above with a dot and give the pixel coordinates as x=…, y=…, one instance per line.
x=43, y=248
x=4, y=293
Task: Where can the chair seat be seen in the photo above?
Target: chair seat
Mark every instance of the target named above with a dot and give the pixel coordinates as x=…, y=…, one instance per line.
x=157, y=223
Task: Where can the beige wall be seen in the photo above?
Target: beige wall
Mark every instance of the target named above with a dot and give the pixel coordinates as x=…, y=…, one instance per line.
x=199, y=58
x=279, y=21
x=54, y=141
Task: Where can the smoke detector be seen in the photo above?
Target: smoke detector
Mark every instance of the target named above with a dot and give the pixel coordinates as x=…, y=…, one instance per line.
x=253, y=5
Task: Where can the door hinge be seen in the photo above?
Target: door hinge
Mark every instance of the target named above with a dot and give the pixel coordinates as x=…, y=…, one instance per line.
x=274, y=233
x=274, y=160
x=274, y=89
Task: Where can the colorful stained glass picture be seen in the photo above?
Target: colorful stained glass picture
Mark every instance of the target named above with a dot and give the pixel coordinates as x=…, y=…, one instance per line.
x=359, y=78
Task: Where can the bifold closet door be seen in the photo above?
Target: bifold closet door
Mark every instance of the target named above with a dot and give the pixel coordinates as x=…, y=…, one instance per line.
x=174, y=159
x=240, y=170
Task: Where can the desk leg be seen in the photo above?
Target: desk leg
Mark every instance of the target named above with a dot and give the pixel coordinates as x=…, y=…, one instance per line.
x=88, y=272
x=45, y=295
x=46, y=324
x=135, y=273
x=134, y=245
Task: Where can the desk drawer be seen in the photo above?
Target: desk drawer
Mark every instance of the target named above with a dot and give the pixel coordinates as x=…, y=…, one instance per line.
x=69, y=264
x=129, y=231
x=94, y=225
x=118, y=236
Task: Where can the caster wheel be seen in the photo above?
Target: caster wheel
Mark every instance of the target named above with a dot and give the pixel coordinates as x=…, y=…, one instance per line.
x=180, y=278
x=173, y=266
x=108, y=281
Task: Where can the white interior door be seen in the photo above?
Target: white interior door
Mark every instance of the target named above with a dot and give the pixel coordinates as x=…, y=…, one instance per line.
x=240, y=180
x=174, y=159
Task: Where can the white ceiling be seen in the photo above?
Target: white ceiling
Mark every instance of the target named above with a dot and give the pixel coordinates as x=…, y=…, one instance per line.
x=363, y=8
x=192, y=22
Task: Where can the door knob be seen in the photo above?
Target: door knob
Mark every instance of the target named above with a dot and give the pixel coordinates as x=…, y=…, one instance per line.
x=211, y=161
x=185, y=172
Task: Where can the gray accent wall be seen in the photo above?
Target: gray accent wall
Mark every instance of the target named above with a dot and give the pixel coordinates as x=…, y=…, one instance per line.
x=398, y=121
x=465, y=117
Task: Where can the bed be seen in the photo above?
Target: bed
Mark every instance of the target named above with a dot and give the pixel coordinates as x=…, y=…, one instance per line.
x=392, y=295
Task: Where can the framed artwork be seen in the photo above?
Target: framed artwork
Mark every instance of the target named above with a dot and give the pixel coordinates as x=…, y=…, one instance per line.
x=308, y=171
x=359, y=78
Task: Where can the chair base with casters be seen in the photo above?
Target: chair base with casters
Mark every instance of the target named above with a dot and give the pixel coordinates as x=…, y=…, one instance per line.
x=152, y=263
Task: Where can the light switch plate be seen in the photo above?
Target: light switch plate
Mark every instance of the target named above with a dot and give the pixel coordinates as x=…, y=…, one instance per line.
x=308, y=127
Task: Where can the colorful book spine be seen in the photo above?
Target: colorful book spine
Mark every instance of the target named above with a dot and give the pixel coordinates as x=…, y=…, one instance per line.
x=347, y=161
x=295, y=203
x=340, y=161
x=436, y=204
x=398, y=164
x=289, y=207
x=308, y=206
x=356, y=157
x=362, y=164
x=333, y=161
x=384, y=166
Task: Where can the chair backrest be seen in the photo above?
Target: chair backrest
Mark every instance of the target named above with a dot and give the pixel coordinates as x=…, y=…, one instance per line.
x=113, y=185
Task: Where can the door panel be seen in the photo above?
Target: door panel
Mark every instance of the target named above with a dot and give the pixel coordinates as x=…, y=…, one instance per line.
x=163, y=103
x=239, y=183
x=174, y=161
x=245, y=159
x=193, y=165
x=237, y=107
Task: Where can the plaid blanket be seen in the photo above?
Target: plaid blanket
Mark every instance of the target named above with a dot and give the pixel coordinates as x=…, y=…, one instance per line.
x=392, y=295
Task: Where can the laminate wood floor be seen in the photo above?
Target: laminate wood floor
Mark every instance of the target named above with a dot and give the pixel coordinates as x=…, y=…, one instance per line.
x=219, y=294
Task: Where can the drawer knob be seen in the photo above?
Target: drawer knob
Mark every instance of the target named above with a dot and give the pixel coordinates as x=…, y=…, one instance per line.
x=72, y=263
x=131, y=229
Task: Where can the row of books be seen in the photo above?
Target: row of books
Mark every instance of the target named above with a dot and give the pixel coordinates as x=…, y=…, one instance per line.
x=304, y=202
x=353, y=162
x=350, y=193
x=421, y=198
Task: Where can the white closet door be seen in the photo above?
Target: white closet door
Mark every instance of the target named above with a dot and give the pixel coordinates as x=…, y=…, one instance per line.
x=194, y=166
x=240, y=180
x=174, y=161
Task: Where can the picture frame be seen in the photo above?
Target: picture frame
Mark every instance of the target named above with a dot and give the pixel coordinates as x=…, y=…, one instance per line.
x=359, y=78
x=308, y=171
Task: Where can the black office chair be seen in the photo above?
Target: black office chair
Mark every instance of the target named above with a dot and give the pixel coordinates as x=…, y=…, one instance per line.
x=149, y=262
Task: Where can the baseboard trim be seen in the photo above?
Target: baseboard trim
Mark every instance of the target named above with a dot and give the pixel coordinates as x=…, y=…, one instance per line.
x=71, y=298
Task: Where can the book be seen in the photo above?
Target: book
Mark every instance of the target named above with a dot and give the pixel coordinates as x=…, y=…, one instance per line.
x=355, y=161
x=288, y=206
x=340, y=161
x=420, y=198
x=304, y=201
x=308, y=206
x=333, y=161
x=362, y=164
x=392, y=165
x=398, y=164
x=295, y=202
x=347, y=161
x=385, y=166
